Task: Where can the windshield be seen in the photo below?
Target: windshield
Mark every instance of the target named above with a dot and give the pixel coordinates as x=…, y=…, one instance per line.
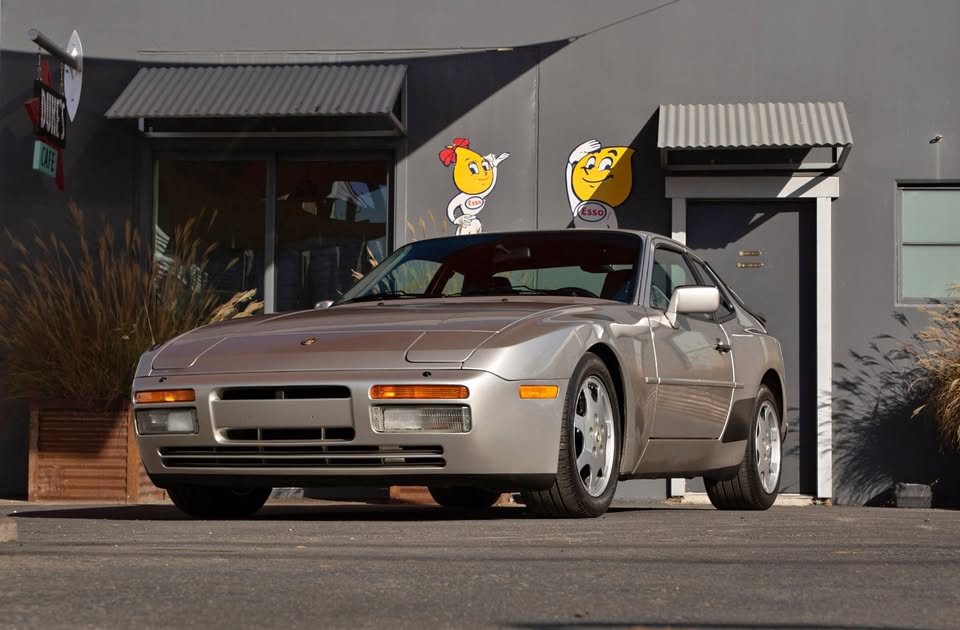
x=576, y=263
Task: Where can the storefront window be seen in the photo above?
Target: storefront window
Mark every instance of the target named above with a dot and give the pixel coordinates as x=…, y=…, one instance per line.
x=331, y=220
x=235, y=190
x=331, y=223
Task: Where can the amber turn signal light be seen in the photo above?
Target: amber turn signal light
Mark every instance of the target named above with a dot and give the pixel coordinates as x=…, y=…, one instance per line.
x=397, y=392
x=539, y=391
x=165, y=396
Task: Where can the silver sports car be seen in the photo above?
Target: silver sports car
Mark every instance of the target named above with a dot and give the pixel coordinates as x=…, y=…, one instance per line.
x=553, y=363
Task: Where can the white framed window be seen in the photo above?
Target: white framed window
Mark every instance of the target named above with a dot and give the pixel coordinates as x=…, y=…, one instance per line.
x=928, y=218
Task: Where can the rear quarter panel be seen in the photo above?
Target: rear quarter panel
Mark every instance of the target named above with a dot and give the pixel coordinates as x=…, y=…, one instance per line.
x=754, y=355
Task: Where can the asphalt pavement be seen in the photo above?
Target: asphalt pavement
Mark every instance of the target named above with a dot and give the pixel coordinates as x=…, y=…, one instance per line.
x=325, y=565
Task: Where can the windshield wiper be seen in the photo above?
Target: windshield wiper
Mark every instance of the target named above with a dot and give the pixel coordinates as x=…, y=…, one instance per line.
x=523, y=289
x=518, y=289
x=391, y=295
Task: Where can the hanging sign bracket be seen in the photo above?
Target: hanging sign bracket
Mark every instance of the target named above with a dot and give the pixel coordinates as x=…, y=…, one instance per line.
x=72, y=60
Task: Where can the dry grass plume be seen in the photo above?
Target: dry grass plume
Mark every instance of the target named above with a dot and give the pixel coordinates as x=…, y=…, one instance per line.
x=940, y=358
x=76, y=315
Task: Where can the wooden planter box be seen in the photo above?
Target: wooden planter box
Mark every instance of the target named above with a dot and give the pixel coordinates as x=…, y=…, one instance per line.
x=86, y=452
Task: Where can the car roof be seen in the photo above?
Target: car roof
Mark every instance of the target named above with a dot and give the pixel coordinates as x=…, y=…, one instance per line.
x=643, y=234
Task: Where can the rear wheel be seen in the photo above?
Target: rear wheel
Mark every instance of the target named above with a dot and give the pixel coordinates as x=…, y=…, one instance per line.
x=464, y=498
x=589, y=460
x=214, y=502
x=757, y=482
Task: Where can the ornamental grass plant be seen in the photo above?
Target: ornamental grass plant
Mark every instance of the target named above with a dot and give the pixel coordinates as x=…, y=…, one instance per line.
x=76, y=314
x=940, y=360
x=436, y=230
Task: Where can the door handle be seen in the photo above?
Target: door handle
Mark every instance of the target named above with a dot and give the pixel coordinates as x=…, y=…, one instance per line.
x=721, y=347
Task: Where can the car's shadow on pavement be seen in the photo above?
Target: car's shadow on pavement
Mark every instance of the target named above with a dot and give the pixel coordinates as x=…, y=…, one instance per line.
x=303, y=512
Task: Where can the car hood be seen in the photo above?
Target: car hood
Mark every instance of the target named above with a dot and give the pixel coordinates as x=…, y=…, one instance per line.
x=368, y=336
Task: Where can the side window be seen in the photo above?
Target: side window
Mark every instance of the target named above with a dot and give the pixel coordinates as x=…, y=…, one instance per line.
x=929, y=242
x=670, y=270
x=454, y=285
x=707, y=280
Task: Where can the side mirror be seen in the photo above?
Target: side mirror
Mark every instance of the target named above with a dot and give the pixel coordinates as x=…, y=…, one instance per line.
x=323, y=304
x=692, y=300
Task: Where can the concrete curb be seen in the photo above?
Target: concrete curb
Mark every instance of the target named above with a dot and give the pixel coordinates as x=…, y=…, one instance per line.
x=8, y=529
x=791, y=500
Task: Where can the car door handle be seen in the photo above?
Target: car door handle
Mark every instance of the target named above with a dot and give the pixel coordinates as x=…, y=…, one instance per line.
x=721, y=347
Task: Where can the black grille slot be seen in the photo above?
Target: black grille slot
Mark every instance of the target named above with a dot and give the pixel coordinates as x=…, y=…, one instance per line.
x=292, y=392
x=326, y=456
x=336, y=434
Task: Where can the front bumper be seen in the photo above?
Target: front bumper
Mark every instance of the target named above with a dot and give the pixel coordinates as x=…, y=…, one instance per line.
x=513, y=443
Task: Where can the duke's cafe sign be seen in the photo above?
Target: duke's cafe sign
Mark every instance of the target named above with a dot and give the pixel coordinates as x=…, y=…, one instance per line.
x=52, y=124
x=48, y=112
x=48, y=109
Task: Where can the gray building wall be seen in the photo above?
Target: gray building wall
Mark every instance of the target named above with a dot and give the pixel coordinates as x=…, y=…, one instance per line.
x=535, y=78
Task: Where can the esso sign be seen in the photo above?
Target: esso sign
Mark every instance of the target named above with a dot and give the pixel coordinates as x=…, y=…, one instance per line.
x=592, y=212
x=473, y=203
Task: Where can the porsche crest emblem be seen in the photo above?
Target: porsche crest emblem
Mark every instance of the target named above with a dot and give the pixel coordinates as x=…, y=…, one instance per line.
x=308, y=342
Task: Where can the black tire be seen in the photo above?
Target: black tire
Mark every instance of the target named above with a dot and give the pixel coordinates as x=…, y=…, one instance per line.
x=214, y=502
x=745, y=490
x=464, y=498
x=569, y=497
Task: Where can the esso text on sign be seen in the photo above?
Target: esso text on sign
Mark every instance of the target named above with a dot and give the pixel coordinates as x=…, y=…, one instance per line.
x=592, y=212
x=473, y=203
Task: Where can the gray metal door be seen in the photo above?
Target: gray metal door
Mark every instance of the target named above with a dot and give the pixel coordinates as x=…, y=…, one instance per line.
x=766, y=251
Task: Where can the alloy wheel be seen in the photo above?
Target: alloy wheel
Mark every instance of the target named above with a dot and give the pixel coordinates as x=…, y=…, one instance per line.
x=594, y=436
x=767, y=446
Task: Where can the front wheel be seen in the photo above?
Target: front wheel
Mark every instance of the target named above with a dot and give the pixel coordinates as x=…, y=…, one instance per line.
x=464, y=498
x=214, y=502
x=757, y=482
x=589, y=460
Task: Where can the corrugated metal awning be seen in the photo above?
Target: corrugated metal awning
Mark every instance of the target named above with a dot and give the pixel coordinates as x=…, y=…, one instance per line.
x=753, y=125
x=261, y=91
x=687, y=129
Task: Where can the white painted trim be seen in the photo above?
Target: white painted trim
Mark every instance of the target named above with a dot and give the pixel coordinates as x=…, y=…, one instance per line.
x=676, y=487
x=776, y=187
x=823, y=188
x=679, y=225
x=824, y=348
x=783, y=500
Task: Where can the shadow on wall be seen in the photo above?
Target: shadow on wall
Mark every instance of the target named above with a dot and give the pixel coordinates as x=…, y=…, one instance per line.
x=877, y=441
x=647, y=207
x=611, y=183
x=442, y=89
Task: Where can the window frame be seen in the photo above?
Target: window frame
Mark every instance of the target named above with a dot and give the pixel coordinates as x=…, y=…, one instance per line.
x=688, y=257
x=726, y=301
x=653, y=261
x=914, y=185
